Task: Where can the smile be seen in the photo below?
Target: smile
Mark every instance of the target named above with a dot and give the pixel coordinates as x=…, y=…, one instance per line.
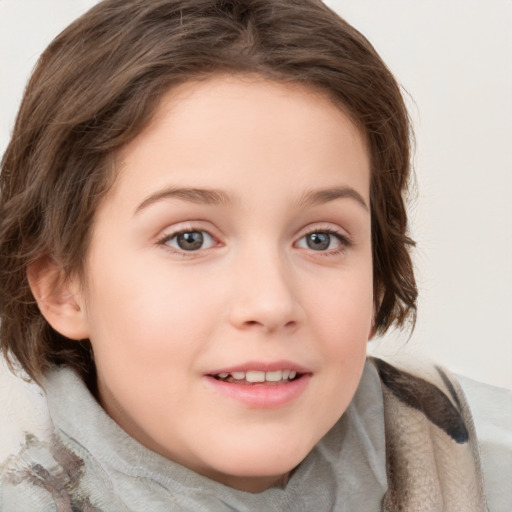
x=260, y=385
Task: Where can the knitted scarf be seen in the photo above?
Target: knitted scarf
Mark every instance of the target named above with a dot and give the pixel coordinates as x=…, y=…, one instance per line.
x=432, y=455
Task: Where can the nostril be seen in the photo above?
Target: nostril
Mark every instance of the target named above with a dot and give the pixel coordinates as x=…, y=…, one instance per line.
x=269, y=326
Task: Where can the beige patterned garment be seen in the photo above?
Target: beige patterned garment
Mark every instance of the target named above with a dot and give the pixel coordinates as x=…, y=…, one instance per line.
x=433, y=461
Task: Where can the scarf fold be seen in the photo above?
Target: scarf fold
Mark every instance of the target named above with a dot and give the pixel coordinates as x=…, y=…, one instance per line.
x=432, y=455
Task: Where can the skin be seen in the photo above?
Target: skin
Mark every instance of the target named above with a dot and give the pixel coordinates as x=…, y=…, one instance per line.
x=161, y=318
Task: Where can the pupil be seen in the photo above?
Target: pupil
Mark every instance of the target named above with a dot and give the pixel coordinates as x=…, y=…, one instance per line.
x=318, y=241
x=190, y=241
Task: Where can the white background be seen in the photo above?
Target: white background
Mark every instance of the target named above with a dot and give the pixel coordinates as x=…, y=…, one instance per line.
x=454, y=59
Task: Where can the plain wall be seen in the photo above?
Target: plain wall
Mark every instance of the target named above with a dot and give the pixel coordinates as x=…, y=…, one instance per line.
x=454, y=59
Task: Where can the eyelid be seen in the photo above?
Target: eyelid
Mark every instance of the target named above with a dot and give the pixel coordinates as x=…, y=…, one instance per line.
x=324, y=228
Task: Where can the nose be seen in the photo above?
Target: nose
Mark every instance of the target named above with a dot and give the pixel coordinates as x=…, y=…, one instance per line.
x=266, y=295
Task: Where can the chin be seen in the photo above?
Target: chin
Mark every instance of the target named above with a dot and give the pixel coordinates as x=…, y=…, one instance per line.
x=251, y=480
x=257, y=468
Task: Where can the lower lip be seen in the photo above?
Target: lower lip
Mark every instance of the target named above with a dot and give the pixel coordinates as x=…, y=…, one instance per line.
x=261, y=396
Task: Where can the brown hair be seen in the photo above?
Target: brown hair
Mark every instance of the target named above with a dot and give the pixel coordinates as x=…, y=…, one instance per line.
x=97, y=86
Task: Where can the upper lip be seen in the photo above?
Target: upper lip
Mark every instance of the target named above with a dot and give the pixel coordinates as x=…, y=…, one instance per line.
x=261, y=366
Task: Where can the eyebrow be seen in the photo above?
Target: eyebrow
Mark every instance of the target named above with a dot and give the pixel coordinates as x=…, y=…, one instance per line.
x=219, y=197
x=326, y=195
x=194, y=195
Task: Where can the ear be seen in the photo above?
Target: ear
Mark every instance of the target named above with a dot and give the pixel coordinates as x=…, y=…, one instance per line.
x=59, y=298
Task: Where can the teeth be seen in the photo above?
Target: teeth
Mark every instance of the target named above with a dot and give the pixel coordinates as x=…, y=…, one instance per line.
x=260, y=376
x=274, y=376
x=255, y=376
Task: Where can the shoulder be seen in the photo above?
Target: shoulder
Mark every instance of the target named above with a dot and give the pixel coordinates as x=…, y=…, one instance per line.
x=25, y=429
x=23, y=410
x=417, y=392
x=37, y=471
x=491, y=407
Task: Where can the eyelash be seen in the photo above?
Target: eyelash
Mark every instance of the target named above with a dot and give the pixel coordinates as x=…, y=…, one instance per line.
x=344, y=241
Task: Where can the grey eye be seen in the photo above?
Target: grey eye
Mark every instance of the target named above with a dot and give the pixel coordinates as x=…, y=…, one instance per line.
x=191, y=241
x=321, y=241
x=318, y=241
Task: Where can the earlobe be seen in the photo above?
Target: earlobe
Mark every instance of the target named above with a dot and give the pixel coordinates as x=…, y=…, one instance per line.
x=59, y=298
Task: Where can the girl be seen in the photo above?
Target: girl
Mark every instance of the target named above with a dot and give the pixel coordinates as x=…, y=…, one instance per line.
x=202, y=224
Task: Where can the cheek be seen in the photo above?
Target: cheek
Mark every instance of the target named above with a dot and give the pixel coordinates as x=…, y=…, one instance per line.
x=343, y=316
x=344, y=305
x=147, y=314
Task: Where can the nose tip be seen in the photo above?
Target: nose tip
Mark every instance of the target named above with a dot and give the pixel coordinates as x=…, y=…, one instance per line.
x=265, y=299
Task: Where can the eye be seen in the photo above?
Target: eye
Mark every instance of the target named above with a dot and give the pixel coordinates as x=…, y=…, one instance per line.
x=325, y=240
x=191, y=240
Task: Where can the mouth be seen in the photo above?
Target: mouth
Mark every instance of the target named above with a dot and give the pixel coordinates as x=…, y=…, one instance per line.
x=248, y=378
x=260, y=385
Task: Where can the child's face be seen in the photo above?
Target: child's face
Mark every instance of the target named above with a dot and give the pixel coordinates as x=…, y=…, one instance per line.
x=236, y=239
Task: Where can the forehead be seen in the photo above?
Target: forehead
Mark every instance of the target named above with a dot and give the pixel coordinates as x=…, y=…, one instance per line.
x=221, y=130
